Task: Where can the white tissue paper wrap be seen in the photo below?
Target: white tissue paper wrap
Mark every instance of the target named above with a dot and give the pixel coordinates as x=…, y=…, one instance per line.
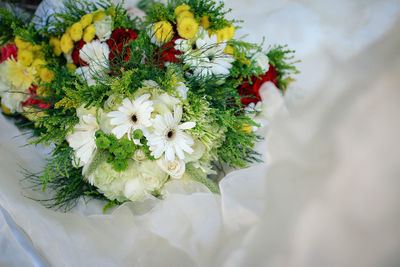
x=327, y=195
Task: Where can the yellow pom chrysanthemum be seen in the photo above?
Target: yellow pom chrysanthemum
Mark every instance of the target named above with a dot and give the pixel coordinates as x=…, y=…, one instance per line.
x=38, y=64
x=55, y=43
x=184, y=14
x=86, y=20
x=89, y=33
x=205, y=22
x=21, y=44
x=66, y=43
x=25, y=57
x=6, y=110
x=98, y=14
x=19, y=75
x=71, y=66
x=181, y=8
x=46, y=75
x=76, y=31
x=188, y=28
x=163, y=31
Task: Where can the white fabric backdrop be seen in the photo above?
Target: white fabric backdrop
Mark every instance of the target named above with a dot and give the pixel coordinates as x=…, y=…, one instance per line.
x=328, y=198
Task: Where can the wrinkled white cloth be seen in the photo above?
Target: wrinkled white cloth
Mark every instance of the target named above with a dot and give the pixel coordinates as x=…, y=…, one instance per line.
x=327, y=197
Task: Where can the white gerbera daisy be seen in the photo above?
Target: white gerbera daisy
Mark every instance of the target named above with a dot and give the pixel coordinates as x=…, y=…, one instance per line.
x=83, y=139
x=132, y=115
x=169, y=136
x=204, y=54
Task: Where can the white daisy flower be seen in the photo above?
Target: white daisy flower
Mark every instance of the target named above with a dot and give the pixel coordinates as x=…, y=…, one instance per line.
x=132, y=115
x=205, y=55
x=169, y=136
x=83, y=139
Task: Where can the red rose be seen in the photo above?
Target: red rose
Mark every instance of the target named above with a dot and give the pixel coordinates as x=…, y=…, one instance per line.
x=34, y=100
x=120, y=36
x=75, y=53
x=251, y=91
x=8, y=51
x=118, y=39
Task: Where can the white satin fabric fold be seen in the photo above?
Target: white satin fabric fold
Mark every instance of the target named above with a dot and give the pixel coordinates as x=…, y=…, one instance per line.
x=328, y=195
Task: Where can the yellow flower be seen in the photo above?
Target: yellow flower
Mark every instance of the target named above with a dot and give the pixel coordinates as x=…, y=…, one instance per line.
x=89, y=33
x=98, y=14
x=86, y=20
x=19, y=75
x=55, y=43
x=228, y=50
x=246, y=128
x=76, y=31
x=188, y=28
x=38, y=64
x=181, y=8
x=225, y=34
x=5, y=110
x=184, y=14
x=66, y=43
x=71, y=66
x=21, y=44
x=68, y=31
x=46, y=75
x=204, y=22
x=25, y=57
x=163, y=31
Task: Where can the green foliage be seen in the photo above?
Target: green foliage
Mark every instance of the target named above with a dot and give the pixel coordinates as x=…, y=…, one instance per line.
x=282, y=59
x=63, y=181
x=10, y=20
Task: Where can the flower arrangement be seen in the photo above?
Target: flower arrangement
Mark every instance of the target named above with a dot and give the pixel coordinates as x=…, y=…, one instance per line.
x=131, y=103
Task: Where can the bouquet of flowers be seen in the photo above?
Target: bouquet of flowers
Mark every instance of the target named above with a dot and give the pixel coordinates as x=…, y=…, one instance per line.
x=129, y=103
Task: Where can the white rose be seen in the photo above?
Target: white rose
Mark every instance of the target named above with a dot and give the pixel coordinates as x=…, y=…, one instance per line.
x=139, y=155
x=262, y=61
x=95, y=54
x=134, y=189
x=113, y=101
x=152, y=175
x=175, y=168
x=164, y=103
x=103, y=28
